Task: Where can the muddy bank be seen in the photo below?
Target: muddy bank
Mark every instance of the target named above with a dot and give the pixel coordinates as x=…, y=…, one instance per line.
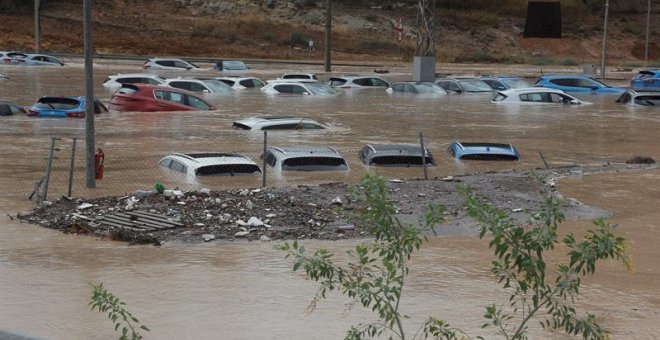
x=303, y=212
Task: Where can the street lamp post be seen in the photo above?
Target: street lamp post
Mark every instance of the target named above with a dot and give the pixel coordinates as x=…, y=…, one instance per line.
x=90, y=141
x=328, y=36
x=37, y=26
x=603, y=58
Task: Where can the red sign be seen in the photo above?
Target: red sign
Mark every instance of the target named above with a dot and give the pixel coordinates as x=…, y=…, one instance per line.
x=399, y=30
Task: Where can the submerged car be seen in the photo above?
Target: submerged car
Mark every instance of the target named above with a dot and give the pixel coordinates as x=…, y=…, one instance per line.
x=148, y=98
x=421, y=88
x=199, y=85
x=115, y=82
x=583, y=84
x=308, y=88
x=300, y=76
x=464, y=85
x=192, y=165
x=484, y=151
x=358, y=82
x=277, y=123
x=8, y=108
x=63, y=107
x=640, y=98
x=305, y=158
x=535, y=95
x=230, y=65
x=395, y=155
x=30, y=59
x=2, y=76
x=241, y=83
x=646, y=80
x=501, y=83
x=169, y=64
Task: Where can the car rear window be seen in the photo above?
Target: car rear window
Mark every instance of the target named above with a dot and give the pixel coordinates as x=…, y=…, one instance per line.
x=314, y=164
x=57, y=103
x=228, y=170
x=653, y=100
x=490, y=157
x=400, y=160
x=128, y=89
x=241, y=126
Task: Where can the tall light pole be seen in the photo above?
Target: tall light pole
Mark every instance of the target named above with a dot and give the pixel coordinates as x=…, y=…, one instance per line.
x=90, y=141
x=646, y=42
x=603, y=59
x=37, y=25
x=328, y=36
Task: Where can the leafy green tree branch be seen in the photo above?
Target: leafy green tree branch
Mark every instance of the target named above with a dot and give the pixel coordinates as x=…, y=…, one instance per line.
x=104, y=301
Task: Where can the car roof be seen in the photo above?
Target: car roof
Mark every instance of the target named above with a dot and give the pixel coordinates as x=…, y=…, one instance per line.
x=643, y=93
x=476, y=148
x=157, y=58
x=147, y=87
x=558, y=76
x=531, y=89
x=266, y=120
x=395, y=149
x=291, y=81
x=412, y=82
x=302, y=151
x=234, y=78
x=210, y=158
x=130, y=75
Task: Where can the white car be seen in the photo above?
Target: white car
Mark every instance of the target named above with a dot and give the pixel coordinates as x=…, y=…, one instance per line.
x=358, y=82
x=192, y=165
x=114, y=82
x=29, y=59
x=199, y=85
x=300, y=87
x=640, y=98
x=169, y=64
x=535, y=95
x=300, y=76
x=277, y=123
x=305, y=158
x=241, y=83
x=423, y=88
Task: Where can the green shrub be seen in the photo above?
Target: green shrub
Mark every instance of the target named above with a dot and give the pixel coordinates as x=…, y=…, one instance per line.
x=298, y=39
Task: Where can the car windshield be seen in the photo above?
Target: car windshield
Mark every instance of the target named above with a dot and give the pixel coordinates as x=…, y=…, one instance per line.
x=516, y=83
x=474, y=85
x=228, y=170
x=314, y=164
x=429, y=88
x=499, y=97
x=234, y=65
x=57, y=103
x=321, y=89
x=217, y=86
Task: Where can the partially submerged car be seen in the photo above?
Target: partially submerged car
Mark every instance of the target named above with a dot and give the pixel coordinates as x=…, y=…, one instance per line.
x=583, y=84
x=170, y=64
x=420, y=88
x=192, y=165
x=501, y=83
x=299, y=87
x=484, y=151
x=8, y=108
x=30, y=59
x=305, y=158
x=2, y=76
x=535, y=95
x=114, y=82
x=277, y=123
x=148, y=98
x=646, y=80
x=395, y=155
x=640, y=98
x=199, y=85
x=464, y=85
x=63, y=107
x=345, y=82
x=300, y=76
x=241, y=83
x=230, y=65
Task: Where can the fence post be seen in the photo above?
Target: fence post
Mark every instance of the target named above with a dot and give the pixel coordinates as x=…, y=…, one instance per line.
x=421, y=142
x=263, y=156
x=543, y=159
x=73, y=158
x=49, y=165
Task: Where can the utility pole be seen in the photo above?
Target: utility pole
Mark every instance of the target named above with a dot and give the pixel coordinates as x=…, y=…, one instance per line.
x=603, y=59
x=89, y=95
x=646, y=42
x=424, y=59
x=37, y=26
x=328, y=35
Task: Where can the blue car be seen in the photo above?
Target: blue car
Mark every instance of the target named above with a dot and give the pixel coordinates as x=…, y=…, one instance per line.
x=63, y=107
x=582, y=84
x=502, y=83
x=484, y=151
x=646, y=80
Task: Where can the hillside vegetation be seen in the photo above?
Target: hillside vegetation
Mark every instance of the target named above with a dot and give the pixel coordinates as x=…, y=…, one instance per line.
x=467, y=30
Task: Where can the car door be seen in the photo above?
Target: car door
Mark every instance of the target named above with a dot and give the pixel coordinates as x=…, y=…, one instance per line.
x=170, y=101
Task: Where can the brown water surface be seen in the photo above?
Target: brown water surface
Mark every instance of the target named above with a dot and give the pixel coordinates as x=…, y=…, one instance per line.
x=246, y=291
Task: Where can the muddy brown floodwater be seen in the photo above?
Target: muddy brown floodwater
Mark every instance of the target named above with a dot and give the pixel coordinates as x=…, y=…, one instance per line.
x=246, y=290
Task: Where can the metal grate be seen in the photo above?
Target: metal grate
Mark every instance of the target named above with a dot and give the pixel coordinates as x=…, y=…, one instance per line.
x=139, y=221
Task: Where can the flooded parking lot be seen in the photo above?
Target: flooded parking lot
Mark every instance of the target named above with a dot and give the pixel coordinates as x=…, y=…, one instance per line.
x=245, y=291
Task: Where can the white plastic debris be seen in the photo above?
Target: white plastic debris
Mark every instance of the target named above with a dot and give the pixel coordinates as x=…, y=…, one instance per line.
x=205, y=191
x=199, y=224
x=177, y=193
x=397, y=181
x=244, y=192
x=421, y=194
x=448, y=178
x=254, y=222
x=270, y=215
x=337, y=201
x=242, y=233
x=84, y=206
x=249, y=204
x=208, y=237
x=264, y=238
x=515, y=210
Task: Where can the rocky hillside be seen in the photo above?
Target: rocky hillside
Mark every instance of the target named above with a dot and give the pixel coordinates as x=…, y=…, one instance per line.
x=467, y=30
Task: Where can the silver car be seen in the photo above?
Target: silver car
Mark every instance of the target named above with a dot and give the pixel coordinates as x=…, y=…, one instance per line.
x=169, y=64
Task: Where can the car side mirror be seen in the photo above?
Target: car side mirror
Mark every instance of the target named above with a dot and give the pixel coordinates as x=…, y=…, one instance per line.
x=459, y=91
x=594, y=88
x=575, y=101
x=306, y=93
x=206, y=91
x=188, y=68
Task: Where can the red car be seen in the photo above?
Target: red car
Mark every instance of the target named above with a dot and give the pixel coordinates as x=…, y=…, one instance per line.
x=148, y=98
